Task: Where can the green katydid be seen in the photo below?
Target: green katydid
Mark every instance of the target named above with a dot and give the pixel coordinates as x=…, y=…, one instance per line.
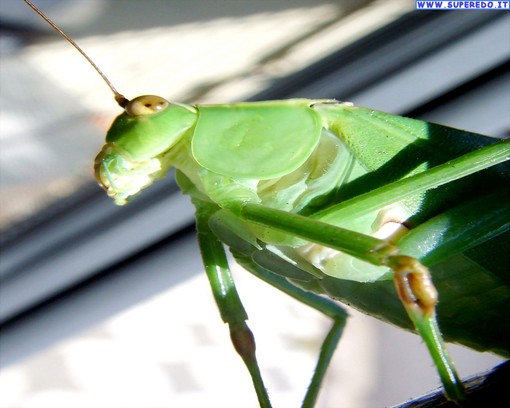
x=281, y=217
x=297, y=190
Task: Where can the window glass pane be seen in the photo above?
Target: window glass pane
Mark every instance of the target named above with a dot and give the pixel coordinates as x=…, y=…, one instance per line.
x=56, y=110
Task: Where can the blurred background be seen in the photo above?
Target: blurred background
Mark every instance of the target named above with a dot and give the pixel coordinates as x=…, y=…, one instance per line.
x=108, y=307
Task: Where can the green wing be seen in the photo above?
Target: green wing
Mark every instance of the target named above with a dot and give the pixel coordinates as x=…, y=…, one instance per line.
x=460, y=230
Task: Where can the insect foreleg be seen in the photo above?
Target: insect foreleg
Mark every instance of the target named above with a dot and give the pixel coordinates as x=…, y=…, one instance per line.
x=319, y=303
x=228, y=301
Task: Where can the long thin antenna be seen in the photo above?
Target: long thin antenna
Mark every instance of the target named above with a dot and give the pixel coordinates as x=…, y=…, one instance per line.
x=121, y=99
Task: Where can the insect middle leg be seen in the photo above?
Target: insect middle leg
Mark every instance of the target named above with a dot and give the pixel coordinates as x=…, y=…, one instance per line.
x=326, y=306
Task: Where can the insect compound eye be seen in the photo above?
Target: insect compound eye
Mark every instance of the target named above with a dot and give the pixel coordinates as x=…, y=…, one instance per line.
x=146, y=105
